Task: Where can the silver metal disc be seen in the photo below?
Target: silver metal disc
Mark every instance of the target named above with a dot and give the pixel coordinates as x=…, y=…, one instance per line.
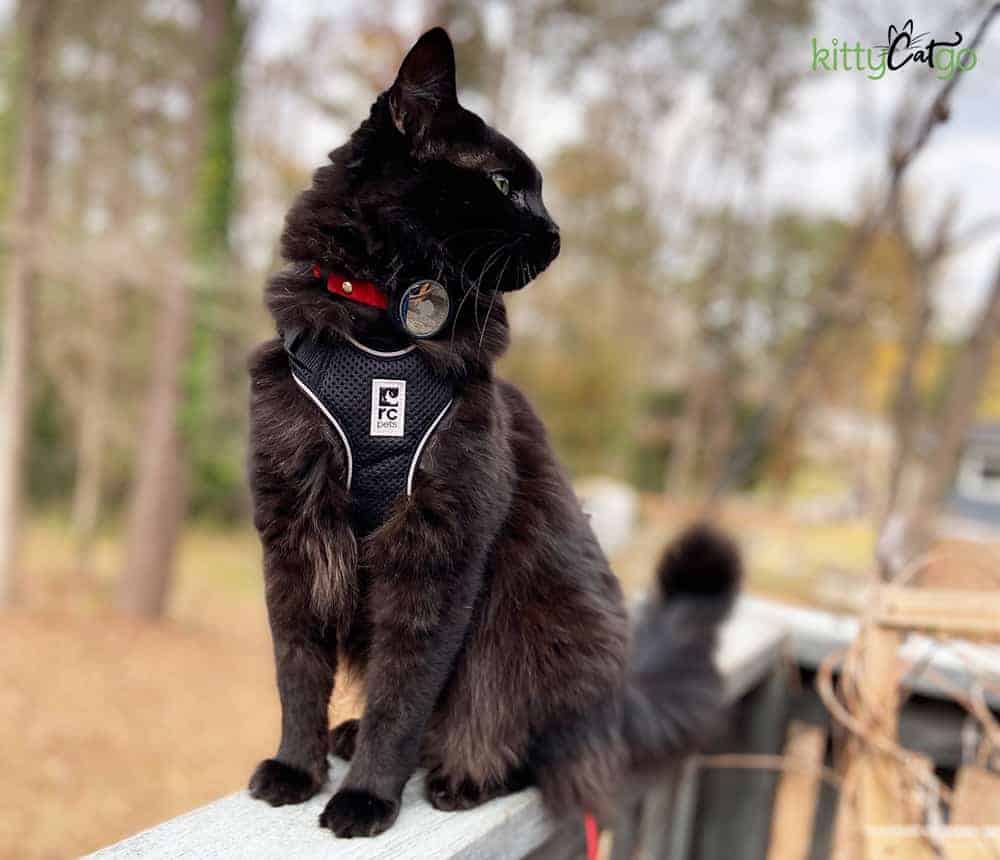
x=424, y=308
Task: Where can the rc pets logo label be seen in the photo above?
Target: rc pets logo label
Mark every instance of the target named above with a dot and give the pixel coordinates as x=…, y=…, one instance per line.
x=388, y=407
x=902, y=47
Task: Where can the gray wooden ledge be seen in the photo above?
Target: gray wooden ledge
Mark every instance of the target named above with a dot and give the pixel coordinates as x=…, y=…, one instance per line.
x=239, y=827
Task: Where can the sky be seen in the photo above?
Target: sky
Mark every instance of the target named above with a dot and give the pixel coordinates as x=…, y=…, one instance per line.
x=835, y=145
x=828, y=150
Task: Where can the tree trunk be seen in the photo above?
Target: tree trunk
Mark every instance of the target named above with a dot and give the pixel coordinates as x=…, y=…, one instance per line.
x=958, y=413
x=93, y=427
x=34, y=27
x=904, y=406
x=686, y=441
x=157, y=505
x=158, y=500
x=102, y=302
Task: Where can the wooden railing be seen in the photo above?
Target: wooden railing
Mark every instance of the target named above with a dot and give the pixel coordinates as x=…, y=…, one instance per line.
x=724, y=806
x=513, y=827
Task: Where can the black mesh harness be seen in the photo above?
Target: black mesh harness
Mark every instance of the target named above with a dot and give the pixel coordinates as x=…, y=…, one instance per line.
x=385, y=406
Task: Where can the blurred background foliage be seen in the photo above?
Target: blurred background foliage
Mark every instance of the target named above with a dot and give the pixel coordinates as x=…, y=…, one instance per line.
x=178, y=132
x=711, y=336
x=647, y=349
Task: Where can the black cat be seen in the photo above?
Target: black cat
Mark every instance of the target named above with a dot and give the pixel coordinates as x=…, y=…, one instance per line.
x=479, y=610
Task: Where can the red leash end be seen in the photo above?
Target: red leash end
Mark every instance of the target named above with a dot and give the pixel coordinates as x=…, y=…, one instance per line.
x=590, y=824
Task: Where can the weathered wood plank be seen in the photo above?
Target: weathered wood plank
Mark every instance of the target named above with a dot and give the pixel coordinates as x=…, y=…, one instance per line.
x=795, y=802
x=972, y=614
x=976, y=801
x=653, y=823
x=734, y=806
x=240, y=827
x=684, y=812
x=955, y=843
x=749, y=649
x=815, y=634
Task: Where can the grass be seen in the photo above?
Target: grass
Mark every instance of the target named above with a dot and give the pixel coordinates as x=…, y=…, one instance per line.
x=211, y=563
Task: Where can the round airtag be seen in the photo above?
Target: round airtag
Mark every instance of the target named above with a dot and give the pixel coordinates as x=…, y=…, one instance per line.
x=423, y=309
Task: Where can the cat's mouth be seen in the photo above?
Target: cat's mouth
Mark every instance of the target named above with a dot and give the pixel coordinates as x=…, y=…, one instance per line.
x=537, y=255
x=510, y=264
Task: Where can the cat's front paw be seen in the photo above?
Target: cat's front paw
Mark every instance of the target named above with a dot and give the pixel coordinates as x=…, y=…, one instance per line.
x=343, y=739
x=279, y=783
x=352, y=812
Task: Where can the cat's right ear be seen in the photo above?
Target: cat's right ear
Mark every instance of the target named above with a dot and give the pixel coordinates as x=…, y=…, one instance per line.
x=424, y=85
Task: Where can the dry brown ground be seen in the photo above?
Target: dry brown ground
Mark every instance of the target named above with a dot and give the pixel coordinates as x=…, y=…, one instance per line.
x=108, y=727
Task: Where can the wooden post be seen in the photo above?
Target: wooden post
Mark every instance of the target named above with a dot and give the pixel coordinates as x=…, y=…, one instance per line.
x=880, y=788
x=952, y=843
x=684, y=812
x=795, y=803
x=734, y=807
x=976, y=801
x=656, y=809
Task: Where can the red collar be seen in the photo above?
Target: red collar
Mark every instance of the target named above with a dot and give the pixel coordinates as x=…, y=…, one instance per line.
x=362, y=292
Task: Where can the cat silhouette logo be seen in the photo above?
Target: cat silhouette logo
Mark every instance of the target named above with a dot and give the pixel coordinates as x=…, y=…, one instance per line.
x=388, y=407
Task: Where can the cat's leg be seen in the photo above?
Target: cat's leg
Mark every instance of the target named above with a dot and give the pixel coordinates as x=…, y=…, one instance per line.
x=297, y=466
x=305, y=661
x=424, y=579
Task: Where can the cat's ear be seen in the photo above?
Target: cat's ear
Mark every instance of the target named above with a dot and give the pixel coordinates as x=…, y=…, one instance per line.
x=425, y=83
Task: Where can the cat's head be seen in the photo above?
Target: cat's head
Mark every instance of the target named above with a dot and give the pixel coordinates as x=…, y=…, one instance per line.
x=434, y=191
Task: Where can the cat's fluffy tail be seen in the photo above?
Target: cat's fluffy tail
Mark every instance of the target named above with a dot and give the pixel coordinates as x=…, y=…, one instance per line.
x=674, y=699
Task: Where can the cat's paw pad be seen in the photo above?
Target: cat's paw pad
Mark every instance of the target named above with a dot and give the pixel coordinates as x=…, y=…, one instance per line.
x=351, y=812
x=449, y=796
x=279, y=783
x=343, y=739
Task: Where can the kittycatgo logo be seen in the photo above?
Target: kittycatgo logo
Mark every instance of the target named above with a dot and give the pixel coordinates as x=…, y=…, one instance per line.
x=388, y=407
x=901, y=48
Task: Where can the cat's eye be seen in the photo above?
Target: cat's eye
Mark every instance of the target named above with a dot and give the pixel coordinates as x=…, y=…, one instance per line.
x=501, y=182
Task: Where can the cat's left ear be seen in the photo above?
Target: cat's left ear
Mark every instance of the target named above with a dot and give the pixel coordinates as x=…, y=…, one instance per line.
x=425, y=83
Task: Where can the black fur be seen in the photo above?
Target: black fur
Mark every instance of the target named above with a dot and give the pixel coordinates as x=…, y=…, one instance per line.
x=343, y=739
x=482, y=616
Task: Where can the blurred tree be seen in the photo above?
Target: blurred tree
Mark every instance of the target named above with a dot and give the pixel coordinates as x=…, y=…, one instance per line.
x=751, y=80
x=158, y=500
x=965, y=383
x=97, y=111
x=904, y=407
x=33, y=28
x=911, y=131
x=212, y=415
x=604, y=286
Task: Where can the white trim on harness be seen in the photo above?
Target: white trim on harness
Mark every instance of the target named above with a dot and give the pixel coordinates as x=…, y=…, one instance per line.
x=378, y=352
x=336, y=426
x=420, y=447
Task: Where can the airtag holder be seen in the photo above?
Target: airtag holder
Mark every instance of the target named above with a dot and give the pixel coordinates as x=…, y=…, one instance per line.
x=423, y=309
